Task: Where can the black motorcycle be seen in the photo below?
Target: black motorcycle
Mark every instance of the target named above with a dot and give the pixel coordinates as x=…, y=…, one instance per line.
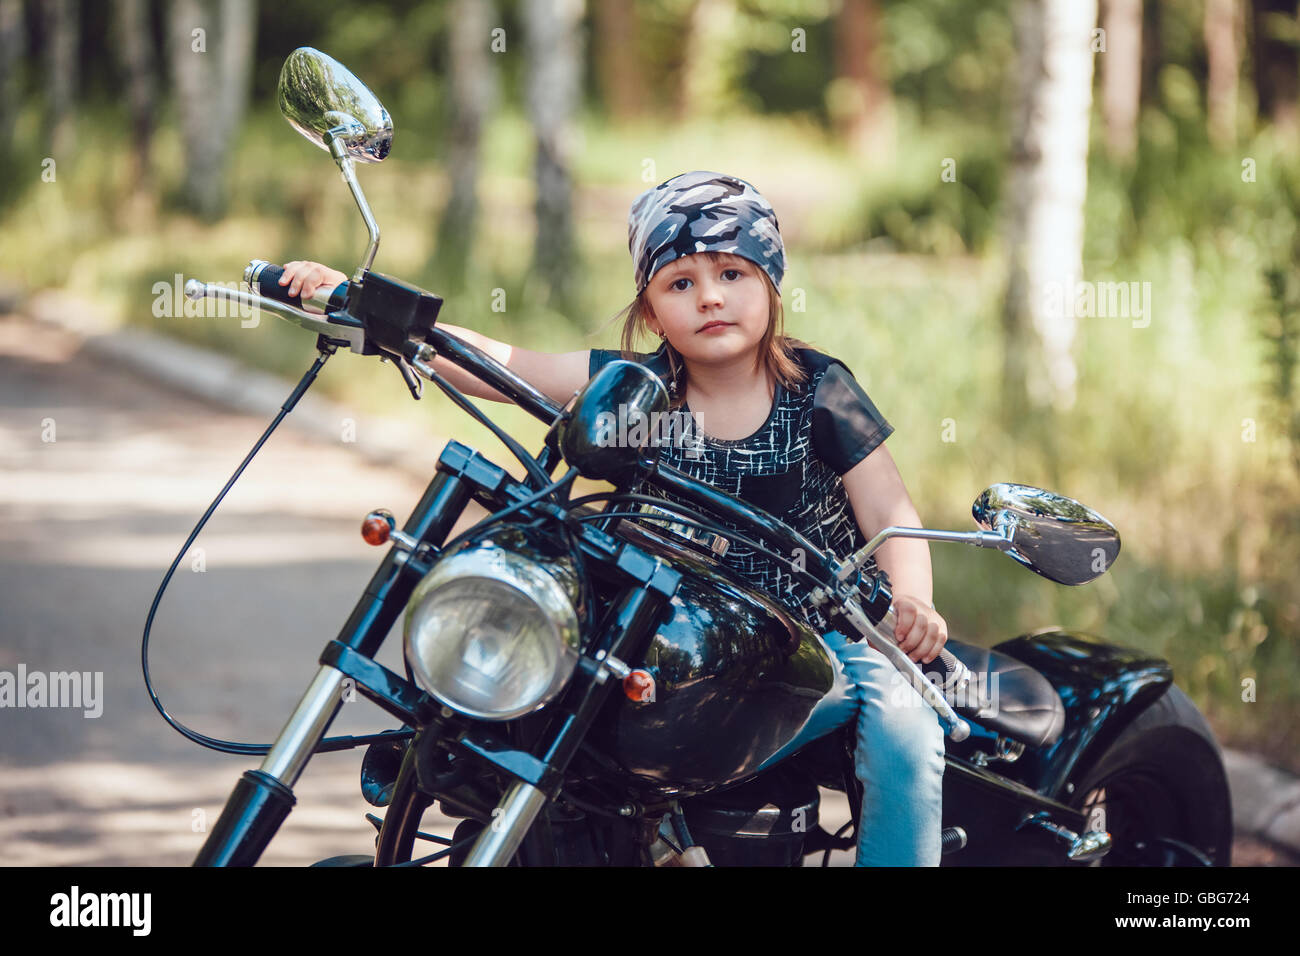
x=587, y=684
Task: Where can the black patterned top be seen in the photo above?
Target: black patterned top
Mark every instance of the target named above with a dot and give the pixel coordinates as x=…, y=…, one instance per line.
x=790, y=467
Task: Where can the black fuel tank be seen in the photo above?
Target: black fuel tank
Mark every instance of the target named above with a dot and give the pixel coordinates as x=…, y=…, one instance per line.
x=737, y=678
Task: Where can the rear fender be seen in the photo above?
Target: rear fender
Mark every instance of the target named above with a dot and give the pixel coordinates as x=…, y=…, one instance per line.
x=1103, y=687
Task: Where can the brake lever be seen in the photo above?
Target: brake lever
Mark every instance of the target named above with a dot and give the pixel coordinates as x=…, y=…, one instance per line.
x=880, y=637
x=337, y=326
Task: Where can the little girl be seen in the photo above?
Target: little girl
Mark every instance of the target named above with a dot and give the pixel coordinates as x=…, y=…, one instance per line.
x=787, y=429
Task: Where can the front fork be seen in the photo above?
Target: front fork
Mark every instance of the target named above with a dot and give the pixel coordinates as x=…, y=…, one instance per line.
x=636, y=615
x=263, y=797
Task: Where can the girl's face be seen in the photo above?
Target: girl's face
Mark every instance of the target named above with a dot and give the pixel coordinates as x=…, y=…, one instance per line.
x=713, y=313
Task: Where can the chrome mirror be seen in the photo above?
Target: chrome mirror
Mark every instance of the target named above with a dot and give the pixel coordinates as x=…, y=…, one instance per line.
x=1050, y=534
x=321, y=99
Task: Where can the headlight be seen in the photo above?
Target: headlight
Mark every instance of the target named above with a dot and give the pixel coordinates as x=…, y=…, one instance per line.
x=491, y=634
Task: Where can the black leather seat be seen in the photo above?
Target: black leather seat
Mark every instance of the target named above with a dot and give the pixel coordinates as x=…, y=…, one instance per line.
x=1021, y=703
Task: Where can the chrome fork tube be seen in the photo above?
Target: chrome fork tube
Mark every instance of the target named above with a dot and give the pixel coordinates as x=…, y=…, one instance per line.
x=510, y=822
x=305, y=728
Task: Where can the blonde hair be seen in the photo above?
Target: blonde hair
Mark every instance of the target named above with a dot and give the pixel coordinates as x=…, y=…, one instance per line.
x=776, y=350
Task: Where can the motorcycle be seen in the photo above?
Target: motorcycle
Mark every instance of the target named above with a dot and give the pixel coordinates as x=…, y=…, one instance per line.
x=590, y=685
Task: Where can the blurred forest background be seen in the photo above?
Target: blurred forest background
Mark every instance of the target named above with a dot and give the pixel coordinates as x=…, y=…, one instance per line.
x=961, y=186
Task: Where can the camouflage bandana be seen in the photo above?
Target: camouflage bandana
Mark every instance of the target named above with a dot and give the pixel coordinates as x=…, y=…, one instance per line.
x=703, y=212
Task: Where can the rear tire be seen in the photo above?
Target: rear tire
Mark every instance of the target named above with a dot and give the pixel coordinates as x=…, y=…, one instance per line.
x=1161, y=790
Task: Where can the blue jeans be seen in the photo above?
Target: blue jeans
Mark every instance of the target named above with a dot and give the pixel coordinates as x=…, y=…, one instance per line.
x=898, y=758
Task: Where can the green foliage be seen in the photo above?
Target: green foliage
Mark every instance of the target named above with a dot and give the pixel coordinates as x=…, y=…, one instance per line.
x=948, y=57
x=938, y=196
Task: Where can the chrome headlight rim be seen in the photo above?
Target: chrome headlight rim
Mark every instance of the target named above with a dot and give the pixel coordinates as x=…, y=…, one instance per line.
x=487, y=561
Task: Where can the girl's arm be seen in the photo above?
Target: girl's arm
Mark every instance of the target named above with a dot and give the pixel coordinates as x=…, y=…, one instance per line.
x=880, y=499
x=557, y=375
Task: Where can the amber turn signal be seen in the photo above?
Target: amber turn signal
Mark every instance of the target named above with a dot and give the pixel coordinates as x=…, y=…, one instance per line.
x=377, y=527
x=639, y=686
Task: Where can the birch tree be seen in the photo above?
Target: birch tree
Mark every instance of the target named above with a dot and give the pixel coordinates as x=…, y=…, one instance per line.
x=1047, y=184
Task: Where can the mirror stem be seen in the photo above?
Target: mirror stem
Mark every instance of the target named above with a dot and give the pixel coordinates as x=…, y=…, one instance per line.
x=339, y=151
x=981, y=539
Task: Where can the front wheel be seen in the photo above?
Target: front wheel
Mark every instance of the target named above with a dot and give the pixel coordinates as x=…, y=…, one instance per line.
x=1161, y=790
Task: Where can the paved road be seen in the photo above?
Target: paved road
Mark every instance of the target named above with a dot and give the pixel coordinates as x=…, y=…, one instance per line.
x=88, y=523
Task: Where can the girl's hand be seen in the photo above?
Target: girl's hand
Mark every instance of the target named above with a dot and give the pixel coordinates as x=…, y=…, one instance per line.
x=919, y=629
x=304, y=277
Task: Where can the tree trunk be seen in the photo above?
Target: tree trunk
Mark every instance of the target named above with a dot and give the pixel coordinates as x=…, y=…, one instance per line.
x=554, y=67
x=862, y=105
x=711, y=60
x=12, y=48
x=212, y=70
x=1276, y=78
x=1048, y=181
x=61, y=74
x=1153, y=52
x=1221, y=25
x=618, y=59
x=473, y=92
x=1121, y=75
x=137, y=54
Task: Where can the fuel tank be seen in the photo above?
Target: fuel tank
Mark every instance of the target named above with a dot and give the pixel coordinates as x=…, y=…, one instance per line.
x=737, y=680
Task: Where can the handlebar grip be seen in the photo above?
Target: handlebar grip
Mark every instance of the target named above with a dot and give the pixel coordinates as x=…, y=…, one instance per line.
x=949, y=663
x=264, y=279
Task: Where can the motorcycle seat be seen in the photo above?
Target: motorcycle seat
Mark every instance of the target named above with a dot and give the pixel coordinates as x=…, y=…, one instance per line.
x=1015, y=700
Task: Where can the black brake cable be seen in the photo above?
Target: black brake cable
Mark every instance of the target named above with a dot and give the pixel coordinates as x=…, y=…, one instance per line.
x=536, y=471
x=216, y=743
x=531, y=464
x=505, y=512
